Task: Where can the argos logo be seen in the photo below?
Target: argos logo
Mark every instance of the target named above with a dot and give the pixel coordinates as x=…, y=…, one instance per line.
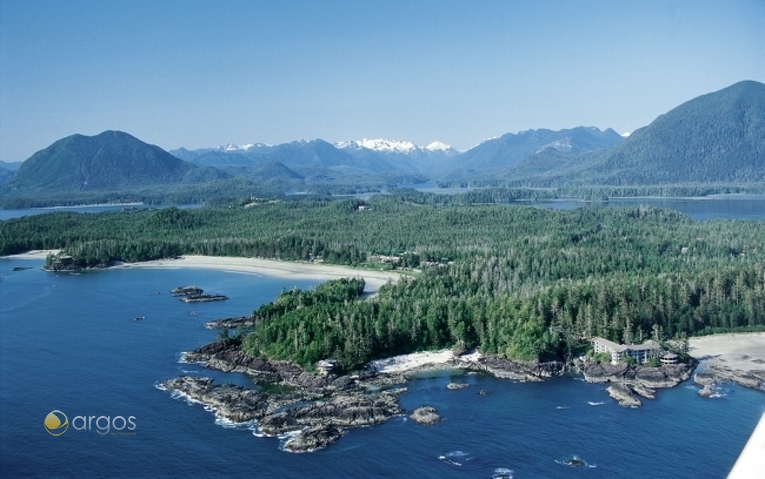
x=57, y=423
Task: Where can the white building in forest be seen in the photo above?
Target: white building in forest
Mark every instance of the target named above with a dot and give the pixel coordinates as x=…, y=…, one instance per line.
x=639, y=352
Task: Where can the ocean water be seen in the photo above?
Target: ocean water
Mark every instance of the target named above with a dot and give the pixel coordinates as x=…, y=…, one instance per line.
x=70, y=343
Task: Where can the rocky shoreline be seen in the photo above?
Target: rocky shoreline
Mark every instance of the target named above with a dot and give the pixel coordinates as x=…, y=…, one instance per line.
x=716, y=374
x=232, y=323
x=317, y=410
x=627, y=382
x=318, y=417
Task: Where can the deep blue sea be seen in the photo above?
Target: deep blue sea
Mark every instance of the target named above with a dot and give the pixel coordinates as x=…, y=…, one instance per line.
x=70, y=343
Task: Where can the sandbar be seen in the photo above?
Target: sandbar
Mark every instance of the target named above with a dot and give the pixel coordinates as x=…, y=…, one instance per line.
x=736, y=351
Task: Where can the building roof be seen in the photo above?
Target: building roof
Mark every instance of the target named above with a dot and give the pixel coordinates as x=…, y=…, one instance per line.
x=625, y=347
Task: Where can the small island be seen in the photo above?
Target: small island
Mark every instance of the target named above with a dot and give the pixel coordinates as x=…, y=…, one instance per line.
x=193, y=294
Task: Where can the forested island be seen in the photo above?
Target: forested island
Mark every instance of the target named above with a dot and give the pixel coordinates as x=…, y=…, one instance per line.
x=519, y=282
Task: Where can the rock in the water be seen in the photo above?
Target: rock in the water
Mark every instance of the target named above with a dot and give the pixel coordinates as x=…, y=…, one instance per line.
x=425, y=415
x=454, y=386
x=706, y=391
x=704, y=379
x=623, y=395
x=314, y=438
x=643, y=391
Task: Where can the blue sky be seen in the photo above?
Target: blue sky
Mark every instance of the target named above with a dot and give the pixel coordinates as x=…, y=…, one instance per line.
x=204, y=73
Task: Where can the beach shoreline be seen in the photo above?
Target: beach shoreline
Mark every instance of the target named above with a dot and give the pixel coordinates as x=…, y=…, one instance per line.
x=736, y=351
x=258, y=266
x=271, y=268
x=32, y=254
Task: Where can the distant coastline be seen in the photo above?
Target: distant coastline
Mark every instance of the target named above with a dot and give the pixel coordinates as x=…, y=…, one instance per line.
x=89, y=205
x=266, y=267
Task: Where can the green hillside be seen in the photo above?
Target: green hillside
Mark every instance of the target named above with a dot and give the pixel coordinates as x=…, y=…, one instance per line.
x=718, y=137
x=110, y=161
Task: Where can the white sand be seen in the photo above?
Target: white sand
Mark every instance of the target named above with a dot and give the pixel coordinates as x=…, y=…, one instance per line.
x=406, y=362
x=273, y=268
x=34, y=254
x=737, y=351
x=409, y=362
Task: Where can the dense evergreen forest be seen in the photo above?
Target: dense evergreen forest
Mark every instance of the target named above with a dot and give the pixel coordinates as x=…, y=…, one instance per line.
x=523, y=282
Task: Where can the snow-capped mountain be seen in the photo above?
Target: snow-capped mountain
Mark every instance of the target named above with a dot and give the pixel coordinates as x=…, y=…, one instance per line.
x=438, y=146
x=233, y=147
x=379, y=144
x=323, y=162
x=394, y=146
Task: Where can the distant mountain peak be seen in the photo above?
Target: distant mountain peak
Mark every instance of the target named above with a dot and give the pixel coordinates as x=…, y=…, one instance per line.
x=232, y=147
x=379, y=144
x=439, y=146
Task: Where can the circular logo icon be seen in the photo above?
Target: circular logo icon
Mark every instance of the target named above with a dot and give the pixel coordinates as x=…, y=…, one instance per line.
x=56, y=423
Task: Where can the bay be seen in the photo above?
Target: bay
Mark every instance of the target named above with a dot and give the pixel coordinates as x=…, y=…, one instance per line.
x=9, y=214
x=70, y=343
x=742, y=207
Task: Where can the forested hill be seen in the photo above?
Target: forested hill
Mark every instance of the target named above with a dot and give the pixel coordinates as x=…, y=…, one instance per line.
x=718, y=137
x=524, y=282
x=112, y=160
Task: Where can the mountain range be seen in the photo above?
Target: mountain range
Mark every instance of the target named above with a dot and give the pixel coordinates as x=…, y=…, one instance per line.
x=715, y=138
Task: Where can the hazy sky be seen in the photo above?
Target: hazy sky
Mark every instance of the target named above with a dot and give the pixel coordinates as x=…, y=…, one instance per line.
x=205, y=73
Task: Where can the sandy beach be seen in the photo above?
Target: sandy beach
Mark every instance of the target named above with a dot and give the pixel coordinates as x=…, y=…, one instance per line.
x=33, y=254
x=273, y=268
x=737, y=351
x=257, y=266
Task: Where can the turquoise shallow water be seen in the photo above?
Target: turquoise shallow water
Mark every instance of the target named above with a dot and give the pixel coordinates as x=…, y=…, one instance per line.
x=70, y=343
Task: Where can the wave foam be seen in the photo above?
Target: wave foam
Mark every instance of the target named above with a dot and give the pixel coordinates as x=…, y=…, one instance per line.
x=575, y=461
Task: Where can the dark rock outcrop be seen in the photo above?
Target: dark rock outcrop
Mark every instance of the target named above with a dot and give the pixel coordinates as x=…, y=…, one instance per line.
x=706, y=391
x=232, y=323
x=520, y=370
x=319, y=418
x=313, y=438
x=719, y=374
x=623, y=395
x=425, y=416
x=639, y=380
